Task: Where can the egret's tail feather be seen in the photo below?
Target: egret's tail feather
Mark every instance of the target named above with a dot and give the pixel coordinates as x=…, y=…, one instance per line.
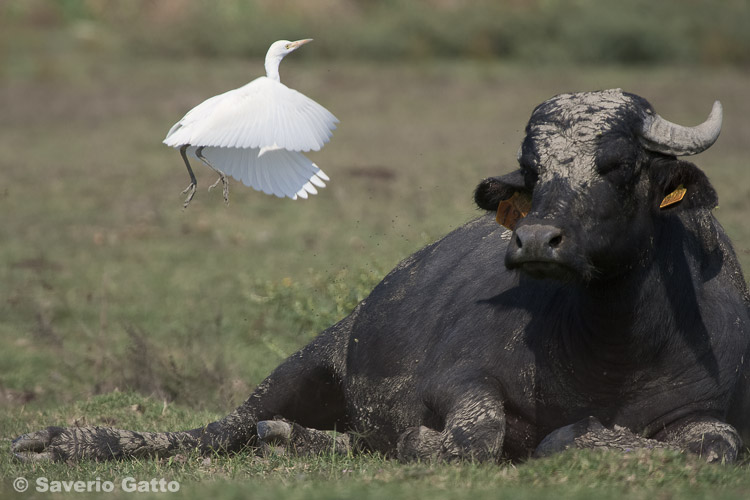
x=277, y=171
x=321, y=174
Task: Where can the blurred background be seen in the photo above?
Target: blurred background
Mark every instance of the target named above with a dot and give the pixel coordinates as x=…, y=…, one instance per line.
x=38, y=32
x=107, y=283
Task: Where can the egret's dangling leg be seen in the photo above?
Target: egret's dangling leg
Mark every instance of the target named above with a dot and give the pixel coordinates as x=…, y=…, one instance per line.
x=190, y=190
x=222, y=177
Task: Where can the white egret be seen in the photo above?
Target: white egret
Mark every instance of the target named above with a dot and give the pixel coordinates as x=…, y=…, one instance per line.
x=257, y=134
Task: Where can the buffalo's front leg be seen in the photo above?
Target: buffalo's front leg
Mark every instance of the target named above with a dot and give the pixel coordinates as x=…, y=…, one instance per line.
x=97, y=443
x=60, y=444
x=589, y=433
x=708, y=437
x=474, y=429
x=304, y=389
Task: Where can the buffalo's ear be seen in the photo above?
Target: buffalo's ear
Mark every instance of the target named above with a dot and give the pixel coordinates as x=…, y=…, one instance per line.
x=491, y=191
x=669, y=174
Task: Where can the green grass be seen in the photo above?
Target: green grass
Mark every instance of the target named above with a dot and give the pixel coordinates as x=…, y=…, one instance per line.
x=588, y=474
x=115, y=300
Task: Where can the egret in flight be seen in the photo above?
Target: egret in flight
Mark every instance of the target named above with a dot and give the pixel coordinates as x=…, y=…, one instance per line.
x=257, y=134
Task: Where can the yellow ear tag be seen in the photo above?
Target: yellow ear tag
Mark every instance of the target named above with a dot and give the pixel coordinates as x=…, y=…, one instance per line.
x=514, y=208
x=675, y=196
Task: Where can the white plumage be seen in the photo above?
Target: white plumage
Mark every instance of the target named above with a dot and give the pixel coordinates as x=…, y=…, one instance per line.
x=279, y=172
x=257, y=134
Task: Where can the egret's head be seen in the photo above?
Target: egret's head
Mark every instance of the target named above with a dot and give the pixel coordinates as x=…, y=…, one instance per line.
x=276, y=53
x=283, y=47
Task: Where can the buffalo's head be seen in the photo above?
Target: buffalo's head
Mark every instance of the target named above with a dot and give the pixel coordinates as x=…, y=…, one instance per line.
x=595, y=167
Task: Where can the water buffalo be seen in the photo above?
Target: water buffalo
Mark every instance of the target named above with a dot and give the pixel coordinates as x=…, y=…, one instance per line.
x=614, y=312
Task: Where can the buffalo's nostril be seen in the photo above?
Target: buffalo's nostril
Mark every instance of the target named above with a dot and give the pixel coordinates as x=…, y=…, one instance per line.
x=533, y=245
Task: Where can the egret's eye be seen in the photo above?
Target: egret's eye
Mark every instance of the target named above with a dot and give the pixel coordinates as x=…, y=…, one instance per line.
x=287, y=46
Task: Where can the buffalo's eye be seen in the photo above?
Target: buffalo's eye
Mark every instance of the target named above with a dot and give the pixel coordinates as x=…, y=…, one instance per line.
x=616, y=155
x=527, y=161
x=617, y=172
x=530, y=176
x=529, y=170
x=605, y=168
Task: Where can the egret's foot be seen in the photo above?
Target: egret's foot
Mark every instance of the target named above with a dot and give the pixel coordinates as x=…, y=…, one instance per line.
x=190, y=190
x=224, y=184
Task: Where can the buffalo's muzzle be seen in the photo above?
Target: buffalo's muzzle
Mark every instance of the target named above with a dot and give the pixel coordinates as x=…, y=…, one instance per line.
x=537, y=249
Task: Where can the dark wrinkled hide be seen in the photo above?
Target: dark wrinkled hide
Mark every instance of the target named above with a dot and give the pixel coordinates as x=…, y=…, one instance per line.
x=616, y=323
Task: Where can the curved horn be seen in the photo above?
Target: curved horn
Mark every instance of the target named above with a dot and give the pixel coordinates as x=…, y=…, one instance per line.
x=669, y=138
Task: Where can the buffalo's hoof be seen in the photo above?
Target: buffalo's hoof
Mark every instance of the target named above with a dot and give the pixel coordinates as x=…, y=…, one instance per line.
x=274, y=431
x=565, y=437
x=715, y=441
x=274, y=436
x=36, y=446
x=419, y=444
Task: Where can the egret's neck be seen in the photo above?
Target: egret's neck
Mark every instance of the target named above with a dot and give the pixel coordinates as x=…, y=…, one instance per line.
x=272, y=66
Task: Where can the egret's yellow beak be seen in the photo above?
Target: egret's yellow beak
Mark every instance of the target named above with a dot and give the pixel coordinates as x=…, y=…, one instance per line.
x=297, y=44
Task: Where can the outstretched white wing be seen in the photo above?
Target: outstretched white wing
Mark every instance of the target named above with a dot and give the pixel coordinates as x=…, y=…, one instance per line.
x=279, y=172
x=262, y=114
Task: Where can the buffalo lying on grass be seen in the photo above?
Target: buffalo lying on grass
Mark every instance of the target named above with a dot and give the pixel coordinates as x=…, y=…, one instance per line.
x=614, y=314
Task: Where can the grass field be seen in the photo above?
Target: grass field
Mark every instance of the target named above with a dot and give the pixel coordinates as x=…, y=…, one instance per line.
x=119, y=308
